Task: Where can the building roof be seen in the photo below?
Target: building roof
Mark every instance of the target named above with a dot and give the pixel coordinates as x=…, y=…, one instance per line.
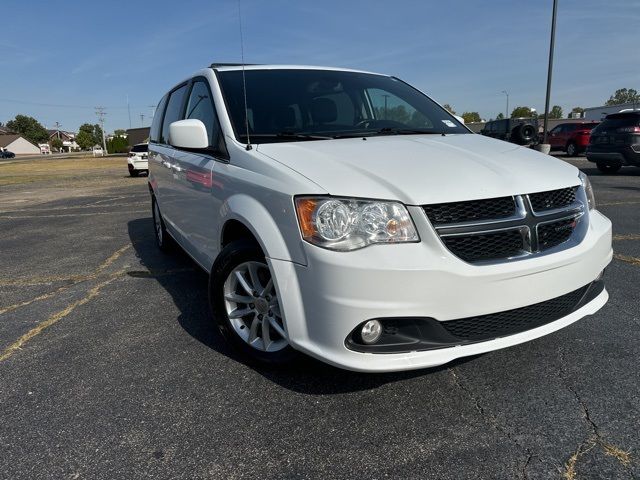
x=6, y=139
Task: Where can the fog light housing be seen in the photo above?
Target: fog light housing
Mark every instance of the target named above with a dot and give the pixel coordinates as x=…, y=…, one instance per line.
x=371, y=332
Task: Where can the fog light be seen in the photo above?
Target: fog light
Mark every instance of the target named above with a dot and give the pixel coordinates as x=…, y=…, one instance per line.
x=371, y=331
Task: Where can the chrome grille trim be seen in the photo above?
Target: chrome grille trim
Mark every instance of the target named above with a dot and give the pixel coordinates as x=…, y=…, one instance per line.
x=526, y=221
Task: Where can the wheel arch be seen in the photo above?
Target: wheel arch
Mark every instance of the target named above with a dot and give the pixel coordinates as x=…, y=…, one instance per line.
x=246, y=217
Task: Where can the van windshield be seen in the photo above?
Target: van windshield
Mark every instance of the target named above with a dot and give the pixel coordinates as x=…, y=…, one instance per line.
x=293, y=105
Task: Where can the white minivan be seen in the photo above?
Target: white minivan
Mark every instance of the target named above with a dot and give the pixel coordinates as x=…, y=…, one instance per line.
x=346, y=215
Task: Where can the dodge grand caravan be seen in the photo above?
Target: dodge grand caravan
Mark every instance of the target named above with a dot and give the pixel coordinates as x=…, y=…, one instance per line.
x=346, y=215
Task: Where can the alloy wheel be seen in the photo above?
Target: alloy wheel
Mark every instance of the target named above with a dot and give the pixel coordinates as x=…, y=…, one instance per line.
x=252, y=306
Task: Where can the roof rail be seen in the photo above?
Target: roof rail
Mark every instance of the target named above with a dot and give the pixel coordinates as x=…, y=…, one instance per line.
x=217, y=65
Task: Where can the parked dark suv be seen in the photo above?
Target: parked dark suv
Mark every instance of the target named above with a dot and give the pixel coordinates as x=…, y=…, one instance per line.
x=572, y=138
x=523, y=131
x=616, y=142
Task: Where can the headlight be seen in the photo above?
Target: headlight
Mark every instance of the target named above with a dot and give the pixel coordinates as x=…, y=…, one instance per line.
x=588, y=189
x=345, y=224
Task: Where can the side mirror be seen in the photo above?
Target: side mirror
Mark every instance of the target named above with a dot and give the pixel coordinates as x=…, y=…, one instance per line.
x=460, y=119
x=190, y=133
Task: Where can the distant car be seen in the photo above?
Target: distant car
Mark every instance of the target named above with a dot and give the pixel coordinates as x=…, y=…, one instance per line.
x=522, y=131
x=616, y=142
x=572, y=138
x=7, y=154
x=137, y=159
x=97, y=151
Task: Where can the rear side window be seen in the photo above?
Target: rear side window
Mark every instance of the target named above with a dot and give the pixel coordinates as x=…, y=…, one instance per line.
x=154, y=134
x=619, y=122
x=200, y=106
x=140, y=148
x=174, y=111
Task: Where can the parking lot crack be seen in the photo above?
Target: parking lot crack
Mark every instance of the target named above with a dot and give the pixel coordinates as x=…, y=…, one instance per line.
x=595, y=438
x=494, y=422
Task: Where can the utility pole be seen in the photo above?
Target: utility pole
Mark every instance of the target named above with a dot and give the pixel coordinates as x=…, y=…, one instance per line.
x=58, y=125
x=153, y=110
x=142, y=119
x=100, y=112
x=550, y=70
x=506, y=114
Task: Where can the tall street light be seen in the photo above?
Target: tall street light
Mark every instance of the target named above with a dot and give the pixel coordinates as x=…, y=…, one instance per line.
x=507, y=111
x=550, y=71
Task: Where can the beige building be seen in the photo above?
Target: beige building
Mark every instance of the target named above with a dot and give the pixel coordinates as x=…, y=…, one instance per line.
x=18, y=144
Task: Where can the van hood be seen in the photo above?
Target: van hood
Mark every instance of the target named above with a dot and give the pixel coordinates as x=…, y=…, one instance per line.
x=423, y=169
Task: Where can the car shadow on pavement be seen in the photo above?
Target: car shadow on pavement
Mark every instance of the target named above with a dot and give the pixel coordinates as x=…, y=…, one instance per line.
x=187, y=285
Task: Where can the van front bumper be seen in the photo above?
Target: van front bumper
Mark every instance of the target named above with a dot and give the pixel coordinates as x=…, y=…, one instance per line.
x=335, y=292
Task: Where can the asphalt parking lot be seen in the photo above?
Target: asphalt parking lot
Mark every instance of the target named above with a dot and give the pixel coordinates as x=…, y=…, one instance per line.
x=109, y=367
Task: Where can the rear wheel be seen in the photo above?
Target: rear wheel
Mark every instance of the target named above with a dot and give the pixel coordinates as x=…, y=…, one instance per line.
x=607, y=167
x=245, y=304
x=134, y=173
x=572, y=149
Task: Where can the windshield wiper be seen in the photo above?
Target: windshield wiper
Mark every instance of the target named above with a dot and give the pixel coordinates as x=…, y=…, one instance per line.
x=388, y=131
x=290, y=135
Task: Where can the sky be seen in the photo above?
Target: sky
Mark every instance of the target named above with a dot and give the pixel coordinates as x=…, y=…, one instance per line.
x=58, y=61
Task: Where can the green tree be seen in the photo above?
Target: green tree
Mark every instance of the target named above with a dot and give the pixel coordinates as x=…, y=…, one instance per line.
x=120, y=132
x=55, y=143
x=577, y=110
x=624, y=95
x=500, y=116
x=91, y=134
x=556, y=112
x=85, y=139
x=97, y=134
x=520, y=112
x=29, y=128
x=449, y=108
x=471, y=117
x=117, y=145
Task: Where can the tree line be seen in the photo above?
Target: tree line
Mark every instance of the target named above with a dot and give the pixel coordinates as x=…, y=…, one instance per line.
x=621, y=96
x=88, y=135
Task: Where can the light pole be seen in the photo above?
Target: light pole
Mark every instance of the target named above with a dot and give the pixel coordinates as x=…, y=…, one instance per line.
x=550, y=70
x=506, y=115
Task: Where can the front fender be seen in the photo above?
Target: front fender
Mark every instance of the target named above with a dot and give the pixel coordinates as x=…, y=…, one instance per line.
x=277, y=233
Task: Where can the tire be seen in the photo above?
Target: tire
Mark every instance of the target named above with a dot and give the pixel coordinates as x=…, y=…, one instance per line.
x=254, y=302
x=572, y=149
x=607, y=167
x=163, y=239
x=524, y=133
x=134, y=173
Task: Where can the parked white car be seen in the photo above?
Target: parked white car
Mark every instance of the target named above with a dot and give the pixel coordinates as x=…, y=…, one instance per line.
x=137, y=159
x=348, y=216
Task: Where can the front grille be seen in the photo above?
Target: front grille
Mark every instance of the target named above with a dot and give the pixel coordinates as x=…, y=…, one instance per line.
x=553, y=234
x=475, y=210
x=553, y=199
x=500, y=324
x=488, y=246
x=502, y=228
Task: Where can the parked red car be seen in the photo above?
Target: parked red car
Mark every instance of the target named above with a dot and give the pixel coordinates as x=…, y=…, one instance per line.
x=573, y=138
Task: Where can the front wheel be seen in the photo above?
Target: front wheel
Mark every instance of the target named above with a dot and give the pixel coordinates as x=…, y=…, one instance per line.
x=607, y=167
x=572, y=149
x=245, y=304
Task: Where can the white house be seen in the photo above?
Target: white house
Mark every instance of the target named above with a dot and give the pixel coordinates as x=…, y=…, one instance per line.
x=18, y=145
x=68, y=139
